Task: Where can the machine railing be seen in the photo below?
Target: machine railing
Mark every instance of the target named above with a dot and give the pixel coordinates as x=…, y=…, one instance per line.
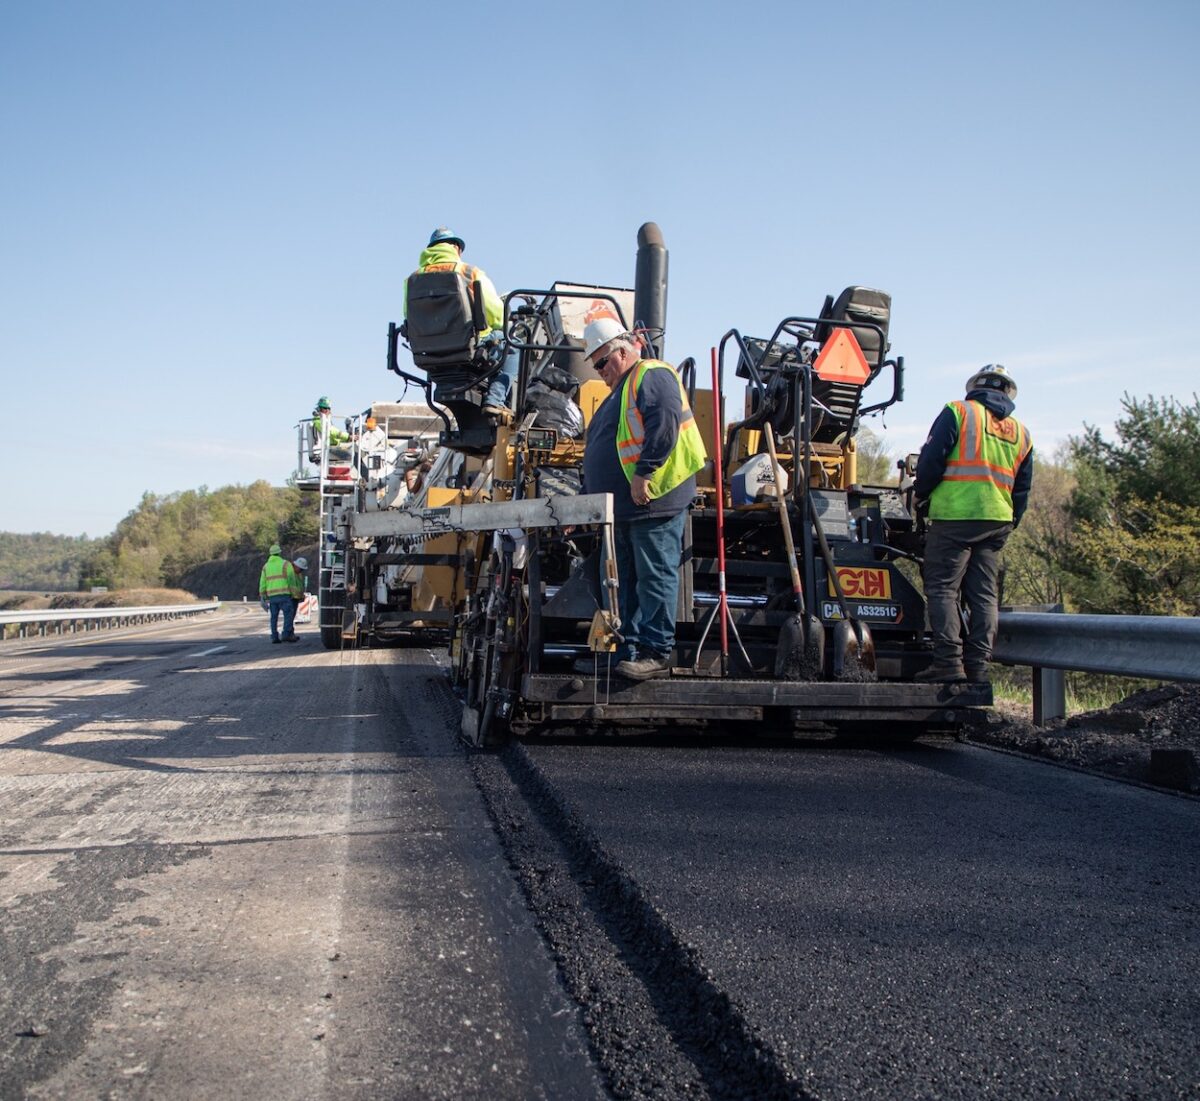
x=96, y=618
x=1157, y=647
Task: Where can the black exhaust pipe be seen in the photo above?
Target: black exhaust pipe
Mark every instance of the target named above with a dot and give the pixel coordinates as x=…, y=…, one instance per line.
x=650, y=287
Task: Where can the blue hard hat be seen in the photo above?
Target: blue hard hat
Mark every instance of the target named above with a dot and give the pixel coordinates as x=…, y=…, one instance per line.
x=445, y=235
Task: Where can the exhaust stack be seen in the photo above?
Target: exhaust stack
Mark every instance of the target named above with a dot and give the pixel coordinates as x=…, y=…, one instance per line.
x=650, y=286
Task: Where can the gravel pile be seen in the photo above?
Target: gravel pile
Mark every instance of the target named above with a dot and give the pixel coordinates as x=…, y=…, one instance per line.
x=1152, y=737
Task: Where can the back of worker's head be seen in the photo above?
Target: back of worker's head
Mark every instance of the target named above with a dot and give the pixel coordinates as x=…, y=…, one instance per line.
x=445, y=235
x=994, y=376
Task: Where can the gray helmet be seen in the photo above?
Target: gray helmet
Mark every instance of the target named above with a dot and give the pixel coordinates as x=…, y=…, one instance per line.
x=301, y=563
x=445, y=235
x=993, y=377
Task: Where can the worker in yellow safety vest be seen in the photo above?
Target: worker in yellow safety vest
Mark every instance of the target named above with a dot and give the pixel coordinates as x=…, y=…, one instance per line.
x=974, y=475
x=278, y=583
x=444, y=253
x=643, y=447
x=326, y=434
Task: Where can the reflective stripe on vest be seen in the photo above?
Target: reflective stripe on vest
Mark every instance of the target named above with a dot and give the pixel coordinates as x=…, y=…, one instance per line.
x=274, y=578
x=471, y=273
x=686, y=457
x=982, y=467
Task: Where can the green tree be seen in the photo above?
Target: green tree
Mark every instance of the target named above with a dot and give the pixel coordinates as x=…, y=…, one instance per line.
x=876, y=463
x=1036, y=555
x=1136, y=512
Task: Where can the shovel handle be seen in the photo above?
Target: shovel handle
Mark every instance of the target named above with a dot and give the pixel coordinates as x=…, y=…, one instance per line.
x=784, y=519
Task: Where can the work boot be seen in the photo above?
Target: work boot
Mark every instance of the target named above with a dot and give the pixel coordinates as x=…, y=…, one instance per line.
x=291, y=638
x=275, y=640
x=644, y=668
x=978, y=674
x=941, y=674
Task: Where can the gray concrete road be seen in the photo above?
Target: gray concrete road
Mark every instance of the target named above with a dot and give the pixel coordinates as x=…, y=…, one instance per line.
x=232, y=869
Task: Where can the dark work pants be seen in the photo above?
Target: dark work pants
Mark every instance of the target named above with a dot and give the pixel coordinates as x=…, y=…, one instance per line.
x=963, y=556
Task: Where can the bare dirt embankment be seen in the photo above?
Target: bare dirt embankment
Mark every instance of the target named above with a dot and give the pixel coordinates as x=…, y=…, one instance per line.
x=236, y=577
x=1152, y=737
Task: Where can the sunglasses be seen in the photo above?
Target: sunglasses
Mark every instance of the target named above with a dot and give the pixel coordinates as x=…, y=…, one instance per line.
x=600, y=364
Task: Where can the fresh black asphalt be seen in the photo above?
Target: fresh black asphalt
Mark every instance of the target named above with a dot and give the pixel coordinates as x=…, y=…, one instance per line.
x=934, y=921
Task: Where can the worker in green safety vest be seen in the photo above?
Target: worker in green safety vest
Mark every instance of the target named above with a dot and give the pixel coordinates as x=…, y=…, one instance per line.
x=278, y=583
x=326, y=433
x=444, y=253
x=974, y=474
x=643, y=447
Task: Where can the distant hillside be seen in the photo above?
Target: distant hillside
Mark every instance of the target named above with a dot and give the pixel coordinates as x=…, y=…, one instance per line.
x=50, y=563
x=166, y=537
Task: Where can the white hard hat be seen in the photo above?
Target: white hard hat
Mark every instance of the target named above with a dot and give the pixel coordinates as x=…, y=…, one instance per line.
x=301, y=563
x=599, y=332
x=994, y=376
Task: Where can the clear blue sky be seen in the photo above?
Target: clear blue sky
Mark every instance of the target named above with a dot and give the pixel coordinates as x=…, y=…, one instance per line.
x=209, y=208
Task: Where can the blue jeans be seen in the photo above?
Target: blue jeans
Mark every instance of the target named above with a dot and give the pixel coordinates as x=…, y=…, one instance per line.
x=648, y=556
x=282, y=604
x=500, y=386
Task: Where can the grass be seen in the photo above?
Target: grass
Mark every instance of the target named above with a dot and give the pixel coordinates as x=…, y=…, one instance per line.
x=1085, y=691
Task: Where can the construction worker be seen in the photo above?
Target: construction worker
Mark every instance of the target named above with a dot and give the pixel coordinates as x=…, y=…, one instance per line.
x=277, y=584
x=373, y=440
x=301, y=590
x=444, y=253
x=643, y=447
x=974, y=473
x=324, y=430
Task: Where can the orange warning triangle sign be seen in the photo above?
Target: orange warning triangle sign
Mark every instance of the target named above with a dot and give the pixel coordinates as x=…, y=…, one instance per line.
x=841, y=359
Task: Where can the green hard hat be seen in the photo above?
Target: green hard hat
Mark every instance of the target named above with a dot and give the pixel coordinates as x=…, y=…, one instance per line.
x=323, y=403
x=275, y=549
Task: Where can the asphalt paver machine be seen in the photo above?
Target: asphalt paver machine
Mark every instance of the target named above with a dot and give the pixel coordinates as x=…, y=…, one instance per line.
x=797, y=604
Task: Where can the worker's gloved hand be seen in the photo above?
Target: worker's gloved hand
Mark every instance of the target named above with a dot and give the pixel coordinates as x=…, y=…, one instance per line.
x=264, y=604
x=921, y=506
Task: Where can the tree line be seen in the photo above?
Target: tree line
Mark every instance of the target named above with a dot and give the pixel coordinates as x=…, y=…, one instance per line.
x=1114, y=525
x=42, y=561
x=167, y=535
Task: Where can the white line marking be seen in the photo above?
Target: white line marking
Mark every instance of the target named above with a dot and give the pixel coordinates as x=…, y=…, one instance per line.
x=205, y=653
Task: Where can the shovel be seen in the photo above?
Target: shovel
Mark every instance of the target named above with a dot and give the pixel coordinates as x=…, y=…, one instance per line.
x=853, y=646
x=801, y=646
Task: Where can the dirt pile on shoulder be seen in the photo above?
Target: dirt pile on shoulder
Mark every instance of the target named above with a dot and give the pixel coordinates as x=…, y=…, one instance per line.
x=1116, y=741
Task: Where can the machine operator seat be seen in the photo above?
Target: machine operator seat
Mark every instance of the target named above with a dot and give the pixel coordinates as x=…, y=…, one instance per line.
x=445, y=318
x=842, y=399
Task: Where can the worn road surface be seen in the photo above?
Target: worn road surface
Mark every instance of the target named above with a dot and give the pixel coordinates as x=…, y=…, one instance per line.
x=231, y=869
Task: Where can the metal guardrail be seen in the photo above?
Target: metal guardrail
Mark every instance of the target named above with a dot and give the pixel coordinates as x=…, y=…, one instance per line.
x=96, y=618
x=1159, y=647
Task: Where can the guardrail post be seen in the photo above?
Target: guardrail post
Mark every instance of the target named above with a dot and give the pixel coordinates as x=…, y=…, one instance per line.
x=1049, y=696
